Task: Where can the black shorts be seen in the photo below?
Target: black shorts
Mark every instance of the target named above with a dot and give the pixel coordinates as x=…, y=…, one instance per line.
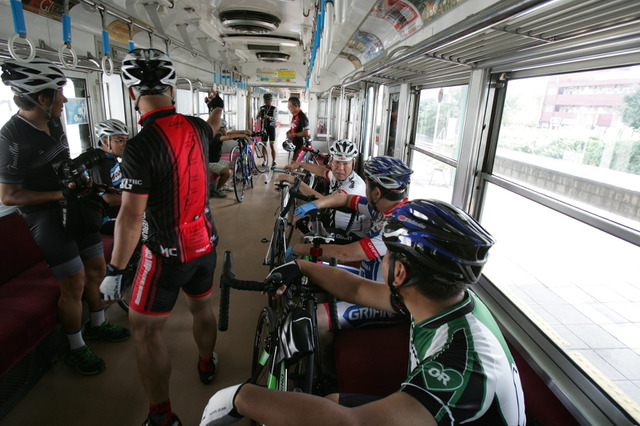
x=63, y=254
x=157, y=282
x=271, y=133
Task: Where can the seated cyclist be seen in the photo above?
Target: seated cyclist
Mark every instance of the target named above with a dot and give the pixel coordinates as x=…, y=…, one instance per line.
x=342, y=180
x=460, y=368
x=112, y=136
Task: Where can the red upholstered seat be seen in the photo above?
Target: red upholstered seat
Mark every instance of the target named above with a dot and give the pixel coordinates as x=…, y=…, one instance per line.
x=372, y=360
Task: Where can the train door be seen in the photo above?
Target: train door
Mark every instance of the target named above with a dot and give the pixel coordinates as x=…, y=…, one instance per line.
x=392, y=128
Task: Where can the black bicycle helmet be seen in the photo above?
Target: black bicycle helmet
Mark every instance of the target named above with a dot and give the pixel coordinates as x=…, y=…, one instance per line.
x=32, y=77
x=440, y=238
x=388, y=172
x=149, y=71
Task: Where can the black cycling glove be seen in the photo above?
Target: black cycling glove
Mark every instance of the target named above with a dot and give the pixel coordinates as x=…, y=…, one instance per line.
x=285, y=274
x=214, y=103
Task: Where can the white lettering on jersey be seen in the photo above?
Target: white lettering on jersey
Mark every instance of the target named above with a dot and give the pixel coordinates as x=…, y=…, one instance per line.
x=128, y=183
x=168, y=251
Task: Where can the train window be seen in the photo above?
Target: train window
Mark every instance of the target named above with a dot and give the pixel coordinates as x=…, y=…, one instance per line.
x=184, y=102
x=7, y=106
x=114, y=97
x=437, y=143
x=202, y=110
x=230, y=109
x=76, y=116
x=562, y=202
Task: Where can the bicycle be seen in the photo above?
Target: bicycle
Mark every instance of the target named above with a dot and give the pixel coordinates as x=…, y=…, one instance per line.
x=279, y=239
x=244, y=163
x=285, y=347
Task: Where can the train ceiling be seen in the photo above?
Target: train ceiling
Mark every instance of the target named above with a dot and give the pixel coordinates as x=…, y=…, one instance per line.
x=430, y=43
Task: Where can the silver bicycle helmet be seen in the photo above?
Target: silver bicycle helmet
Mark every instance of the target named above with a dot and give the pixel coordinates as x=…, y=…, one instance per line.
x=150, y=71
x=388, y=172
x=343, y=150
x=110, y=127
x=288, y=146
x=32, y=77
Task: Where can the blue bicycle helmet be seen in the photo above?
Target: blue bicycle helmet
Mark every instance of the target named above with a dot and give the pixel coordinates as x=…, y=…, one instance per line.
x=440, y=238
x=388, y=172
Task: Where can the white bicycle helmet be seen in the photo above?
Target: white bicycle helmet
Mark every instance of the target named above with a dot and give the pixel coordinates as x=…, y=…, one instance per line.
x=343, y=150
x=149, y=71
x=32, y=77
x=110, y=127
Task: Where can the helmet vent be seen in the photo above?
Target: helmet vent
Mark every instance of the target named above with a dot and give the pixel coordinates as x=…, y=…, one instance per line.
x=249, y=22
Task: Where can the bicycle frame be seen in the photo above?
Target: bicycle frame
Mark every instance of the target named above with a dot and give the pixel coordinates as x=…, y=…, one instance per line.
x=279, y=360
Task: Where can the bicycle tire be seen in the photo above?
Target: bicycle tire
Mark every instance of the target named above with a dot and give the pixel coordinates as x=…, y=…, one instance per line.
x=290, y=215
x=278, y=245
x=261, y=157
x=264, y=344
x=126, y=296
x=239, y=183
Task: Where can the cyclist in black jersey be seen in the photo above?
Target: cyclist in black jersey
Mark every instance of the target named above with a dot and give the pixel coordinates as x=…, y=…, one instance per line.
x=268, y=116
x=31, y=143
x=299, y=132
x=112, y=135
x=164, y=177
x=460, y=368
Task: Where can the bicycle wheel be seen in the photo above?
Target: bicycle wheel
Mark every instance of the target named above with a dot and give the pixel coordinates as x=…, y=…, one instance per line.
x=261, y=157
x=278, y=245
x=263, y=349
x=239, y=182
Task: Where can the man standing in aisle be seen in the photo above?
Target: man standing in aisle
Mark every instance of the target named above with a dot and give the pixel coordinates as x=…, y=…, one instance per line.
x=268, y=116
x=164, y=172
x=299, y=132
x=31, y=143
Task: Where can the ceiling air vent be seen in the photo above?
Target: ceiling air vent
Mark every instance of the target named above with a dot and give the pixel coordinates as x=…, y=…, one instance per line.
x=250, y=22
x=272, y=56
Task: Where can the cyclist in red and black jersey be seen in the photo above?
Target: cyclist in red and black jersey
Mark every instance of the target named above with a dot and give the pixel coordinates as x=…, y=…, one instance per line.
x=164, y=177
x=299, y=133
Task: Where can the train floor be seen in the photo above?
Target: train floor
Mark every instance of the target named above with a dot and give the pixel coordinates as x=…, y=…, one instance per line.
x=116, y=397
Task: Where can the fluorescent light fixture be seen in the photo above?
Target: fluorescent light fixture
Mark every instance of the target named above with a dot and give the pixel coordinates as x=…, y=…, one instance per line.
x=282, y=41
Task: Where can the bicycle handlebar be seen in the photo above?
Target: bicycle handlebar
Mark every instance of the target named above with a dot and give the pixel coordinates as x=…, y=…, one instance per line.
x=228, y=281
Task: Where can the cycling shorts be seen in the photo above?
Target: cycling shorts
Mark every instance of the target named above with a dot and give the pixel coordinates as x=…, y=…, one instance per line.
x=356, y=316
x=217, y=167
x=157, y=283
x=63, y=254
x=271, y=134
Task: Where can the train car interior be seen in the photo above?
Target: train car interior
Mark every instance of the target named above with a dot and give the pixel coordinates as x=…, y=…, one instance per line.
x=523, y=113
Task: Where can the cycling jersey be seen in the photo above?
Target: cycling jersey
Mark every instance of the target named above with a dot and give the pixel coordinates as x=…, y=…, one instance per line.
x=353, y=185
x=167, y=161
x=372, y=244
x=299, y=123
x=27, y=156
x=461, y=369
x=108, y=173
